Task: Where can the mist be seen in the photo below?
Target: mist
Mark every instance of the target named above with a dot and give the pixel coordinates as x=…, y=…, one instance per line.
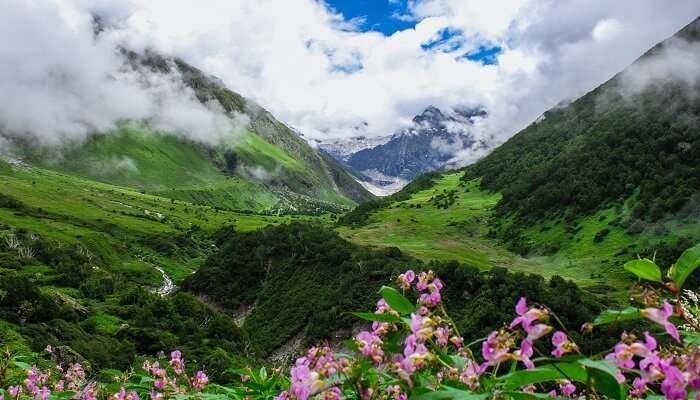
x=62, y=82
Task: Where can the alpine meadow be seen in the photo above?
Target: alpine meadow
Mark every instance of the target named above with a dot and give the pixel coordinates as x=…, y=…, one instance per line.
x=334, y=199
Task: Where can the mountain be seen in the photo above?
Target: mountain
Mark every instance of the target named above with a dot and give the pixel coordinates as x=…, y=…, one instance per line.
x=626, y=153
x=266, y=167
x=429, y=144
x=586, y=186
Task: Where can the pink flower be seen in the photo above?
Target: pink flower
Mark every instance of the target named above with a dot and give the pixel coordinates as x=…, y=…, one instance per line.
x=537, y=331
x=567, y=388
x=622, y=356
x=176, y=362
x=526, y=316
x=49, y=349
x=332, y=394
x=457, y=341
x=59, y=386
x=90, y=391
x=442, y=336
x=673, y=386
x=14, y=391
x=370, y=345
x=406, y=279
x=282, y=396
x=660, y=316
x=304, y=381
x=525, y=353
x=382, y=307
x=415, y=355
x=44, y=393
x=422, y=327
x=639, y=386
x=562, y=344
x=496, y=348
x=200, y=380
x=471, y=373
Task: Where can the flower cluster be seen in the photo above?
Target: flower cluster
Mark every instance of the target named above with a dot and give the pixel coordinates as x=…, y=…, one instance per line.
x=419, y=349
x=71, y=382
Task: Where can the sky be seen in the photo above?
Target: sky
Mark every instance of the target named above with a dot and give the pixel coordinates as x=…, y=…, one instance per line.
x=330, y=69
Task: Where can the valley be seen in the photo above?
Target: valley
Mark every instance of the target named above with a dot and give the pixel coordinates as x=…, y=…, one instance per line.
x=153, y=215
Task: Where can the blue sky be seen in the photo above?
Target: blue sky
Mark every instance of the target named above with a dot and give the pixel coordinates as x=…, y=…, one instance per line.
x=390, y=16
x=378, y=15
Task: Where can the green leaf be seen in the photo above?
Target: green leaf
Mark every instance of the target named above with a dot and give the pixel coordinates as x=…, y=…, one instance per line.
x=688, y=262
x=604, y=378
x=545, y=373
x=645, y=269
x=23, y=365
x=377, y=317
x=396, y=300
x=612, y=316
x=447, y=392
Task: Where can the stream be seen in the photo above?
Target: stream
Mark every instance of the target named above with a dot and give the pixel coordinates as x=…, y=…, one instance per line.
x=168, y=285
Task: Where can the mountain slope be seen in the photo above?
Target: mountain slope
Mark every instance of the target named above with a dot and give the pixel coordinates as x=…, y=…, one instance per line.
x=610, y=176
x=630, y=146
x=263, y=166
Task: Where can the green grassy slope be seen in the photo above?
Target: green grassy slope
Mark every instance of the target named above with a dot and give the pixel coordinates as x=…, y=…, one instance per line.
x=118, y=225
x=616, y=159
x=451, y=221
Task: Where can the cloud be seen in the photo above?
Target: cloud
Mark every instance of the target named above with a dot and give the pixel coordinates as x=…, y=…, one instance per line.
x=316, y=71
x=60, y=81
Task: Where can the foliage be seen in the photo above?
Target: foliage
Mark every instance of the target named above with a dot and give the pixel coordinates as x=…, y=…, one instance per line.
x=414, y=349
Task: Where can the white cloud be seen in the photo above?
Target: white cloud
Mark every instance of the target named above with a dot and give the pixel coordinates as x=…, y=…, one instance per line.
x=316, y=72
x=58, y=81
x=606, y=29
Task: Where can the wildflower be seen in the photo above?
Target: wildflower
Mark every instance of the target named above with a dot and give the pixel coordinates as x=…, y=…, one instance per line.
x=44, y=393
x=14, y=391
x=431, y=299
x=442, y=336
x=282, y=396
x=528, y=388
x=497, y=347
x=567, y=388
x=526, y=316
x=49, y=349
x=471, y=373
x=457, y=341
x=415, y=354
x=673, y=386
x=370, y=345
x=421, y=327
x=382, y=307
x=537, y=331
x=156, y=395
x=524, y=354
x=90, y=391
x=176, y=362
x=304, y=381
x=423, y=279
x=639, y=386
x=332, y=394
x=200, y=380
x=406, y=279
x=562, y=343
x=660, y=316
x=59, y=386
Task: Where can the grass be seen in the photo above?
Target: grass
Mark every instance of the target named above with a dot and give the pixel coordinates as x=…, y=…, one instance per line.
x=111, y=221
x=458, y=232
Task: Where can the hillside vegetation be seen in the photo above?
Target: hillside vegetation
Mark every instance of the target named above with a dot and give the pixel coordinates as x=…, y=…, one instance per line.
x=624, y=153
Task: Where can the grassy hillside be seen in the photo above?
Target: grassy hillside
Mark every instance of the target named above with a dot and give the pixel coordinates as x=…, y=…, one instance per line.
x=80, y=262
x=621, y=158
x=452, y=220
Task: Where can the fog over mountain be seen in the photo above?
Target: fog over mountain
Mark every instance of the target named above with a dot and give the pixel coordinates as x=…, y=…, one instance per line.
x=319, y=71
